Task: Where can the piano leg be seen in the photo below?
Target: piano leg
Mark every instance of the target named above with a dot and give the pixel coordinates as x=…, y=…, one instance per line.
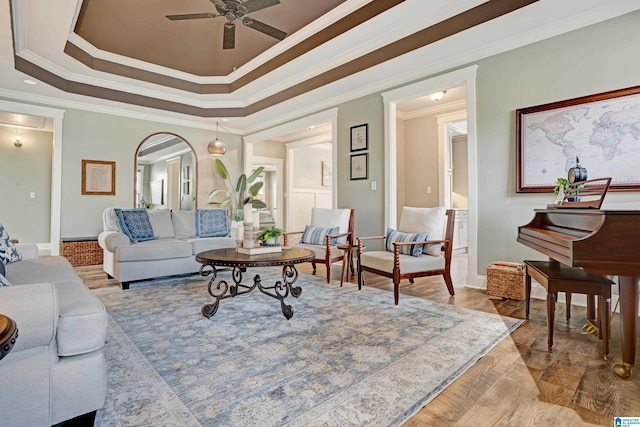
x=628, y=320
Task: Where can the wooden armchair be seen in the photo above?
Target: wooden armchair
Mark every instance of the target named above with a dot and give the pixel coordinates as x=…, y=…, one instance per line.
x=393, y=263
x=324, y=245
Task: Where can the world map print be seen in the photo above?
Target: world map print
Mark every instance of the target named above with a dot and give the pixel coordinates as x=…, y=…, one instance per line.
x=604, y=135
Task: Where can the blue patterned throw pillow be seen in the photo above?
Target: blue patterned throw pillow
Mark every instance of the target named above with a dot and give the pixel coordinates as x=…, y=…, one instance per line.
x=318, y=235
x=401, y=236
x=212, y=222
x=8, y=251
x=135, y=224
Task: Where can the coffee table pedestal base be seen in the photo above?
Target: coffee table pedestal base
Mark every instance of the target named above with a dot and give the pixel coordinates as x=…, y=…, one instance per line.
x=222, y=289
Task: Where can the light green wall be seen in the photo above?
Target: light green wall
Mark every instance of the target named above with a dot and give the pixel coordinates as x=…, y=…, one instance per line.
x=96, y=136
x=369, y=205
x=22, y=171
x=595, y=59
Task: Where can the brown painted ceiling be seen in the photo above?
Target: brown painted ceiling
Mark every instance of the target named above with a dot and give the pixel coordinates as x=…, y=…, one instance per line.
x=140, y=30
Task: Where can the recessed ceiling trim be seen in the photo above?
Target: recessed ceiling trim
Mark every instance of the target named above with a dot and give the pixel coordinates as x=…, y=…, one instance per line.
x=458, y=23
x=82, y=51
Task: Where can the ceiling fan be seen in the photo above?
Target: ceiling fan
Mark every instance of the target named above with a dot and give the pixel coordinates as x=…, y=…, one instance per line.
x=237, y=9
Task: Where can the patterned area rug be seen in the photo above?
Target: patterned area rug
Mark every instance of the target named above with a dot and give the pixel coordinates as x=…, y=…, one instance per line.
x=346, y=358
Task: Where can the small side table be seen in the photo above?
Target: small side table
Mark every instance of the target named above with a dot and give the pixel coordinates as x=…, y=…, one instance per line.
x=8, y=335
x=347, y=261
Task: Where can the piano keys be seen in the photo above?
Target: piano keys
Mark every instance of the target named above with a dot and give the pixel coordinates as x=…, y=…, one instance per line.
x=605, y=242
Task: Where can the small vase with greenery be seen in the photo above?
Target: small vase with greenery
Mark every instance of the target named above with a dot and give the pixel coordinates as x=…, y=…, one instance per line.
x=238, y=194
x=269, y=235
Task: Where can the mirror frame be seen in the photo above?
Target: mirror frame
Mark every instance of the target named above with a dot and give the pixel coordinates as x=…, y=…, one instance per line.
x=195, y=165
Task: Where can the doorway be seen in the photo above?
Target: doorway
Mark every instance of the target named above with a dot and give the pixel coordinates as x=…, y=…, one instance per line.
x=465, y=76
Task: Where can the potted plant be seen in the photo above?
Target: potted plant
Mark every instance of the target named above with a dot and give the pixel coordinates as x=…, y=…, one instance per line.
x=237, y=197
x=562, y=188
x=269, y=235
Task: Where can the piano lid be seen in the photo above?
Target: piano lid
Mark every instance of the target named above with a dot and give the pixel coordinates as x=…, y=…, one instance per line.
x=600, y=241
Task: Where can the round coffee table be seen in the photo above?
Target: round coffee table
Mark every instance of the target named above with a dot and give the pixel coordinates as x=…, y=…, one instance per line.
x=8, y=335
x=229, y=257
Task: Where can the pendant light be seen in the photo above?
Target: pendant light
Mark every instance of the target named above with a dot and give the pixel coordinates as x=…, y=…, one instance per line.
x=217, y=147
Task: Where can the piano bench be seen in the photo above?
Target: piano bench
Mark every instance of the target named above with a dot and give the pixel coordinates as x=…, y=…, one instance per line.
x=556, y=277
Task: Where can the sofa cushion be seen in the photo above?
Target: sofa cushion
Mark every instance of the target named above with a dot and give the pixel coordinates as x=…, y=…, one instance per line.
x=110, y=220
x=52, y=269
x=82, y=325
x=317, y=235
x=135, y=224
x=161, y=223
x=400, y=236
x=3, y=280
x=202, y=244
x=8, y=251
x=184, y=223
x=154, y=250
x=212, y=222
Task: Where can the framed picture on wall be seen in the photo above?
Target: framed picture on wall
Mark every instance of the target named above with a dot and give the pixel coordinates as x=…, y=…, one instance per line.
x=98, y=178
x=600, y=130
x=359, y=166
x=359, y=137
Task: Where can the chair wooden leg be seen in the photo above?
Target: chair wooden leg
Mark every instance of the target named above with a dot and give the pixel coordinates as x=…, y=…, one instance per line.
x=411, y=281
x=551, y=316
x=328, y=264
x=568, y=301
x=396, y=292
x=449, y=282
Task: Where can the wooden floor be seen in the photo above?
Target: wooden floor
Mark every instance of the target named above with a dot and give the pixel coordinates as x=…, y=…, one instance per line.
x=517, y=383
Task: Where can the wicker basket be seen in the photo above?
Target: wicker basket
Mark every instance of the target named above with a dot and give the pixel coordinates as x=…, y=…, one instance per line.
x=82, y=253
x=506, y=280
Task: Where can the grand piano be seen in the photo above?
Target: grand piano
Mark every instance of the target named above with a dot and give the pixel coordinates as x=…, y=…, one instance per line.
x=605, y=242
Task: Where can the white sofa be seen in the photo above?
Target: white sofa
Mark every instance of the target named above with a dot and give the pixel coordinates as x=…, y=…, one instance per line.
x=56, y=372
x=171, y=251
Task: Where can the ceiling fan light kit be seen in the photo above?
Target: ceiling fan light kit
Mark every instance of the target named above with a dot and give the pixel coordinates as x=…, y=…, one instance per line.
x=234, y=10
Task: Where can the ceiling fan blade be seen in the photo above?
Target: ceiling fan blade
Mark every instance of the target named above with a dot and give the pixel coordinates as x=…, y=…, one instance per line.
x=191, y=16
x=229, y=37
x=264, y=28
x=253, y=5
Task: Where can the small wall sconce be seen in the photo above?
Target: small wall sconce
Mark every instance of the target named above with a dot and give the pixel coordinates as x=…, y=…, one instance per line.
x=437, y=96
x=18, y=141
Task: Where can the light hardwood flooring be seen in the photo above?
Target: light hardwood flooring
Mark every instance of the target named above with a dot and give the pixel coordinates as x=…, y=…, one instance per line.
x=517, y=383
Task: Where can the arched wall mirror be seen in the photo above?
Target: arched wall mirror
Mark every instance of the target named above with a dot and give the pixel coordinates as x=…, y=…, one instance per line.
x=166, y=171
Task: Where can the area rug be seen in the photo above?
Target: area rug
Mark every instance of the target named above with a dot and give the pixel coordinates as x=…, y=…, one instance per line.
x=346, y=358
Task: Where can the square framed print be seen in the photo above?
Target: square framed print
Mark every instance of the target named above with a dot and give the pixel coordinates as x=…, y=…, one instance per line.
x=359, y=166
x=359, y=137
x=98, y=178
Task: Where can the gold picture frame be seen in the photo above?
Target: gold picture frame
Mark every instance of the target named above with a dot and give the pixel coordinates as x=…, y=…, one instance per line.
x=98, y=178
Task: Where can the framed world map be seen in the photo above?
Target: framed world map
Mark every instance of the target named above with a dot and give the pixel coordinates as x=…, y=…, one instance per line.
x=602, y=130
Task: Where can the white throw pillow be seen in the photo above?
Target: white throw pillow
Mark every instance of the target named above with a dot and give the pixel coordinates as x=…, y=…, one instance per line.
x=161, y=223
x=184, y=223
